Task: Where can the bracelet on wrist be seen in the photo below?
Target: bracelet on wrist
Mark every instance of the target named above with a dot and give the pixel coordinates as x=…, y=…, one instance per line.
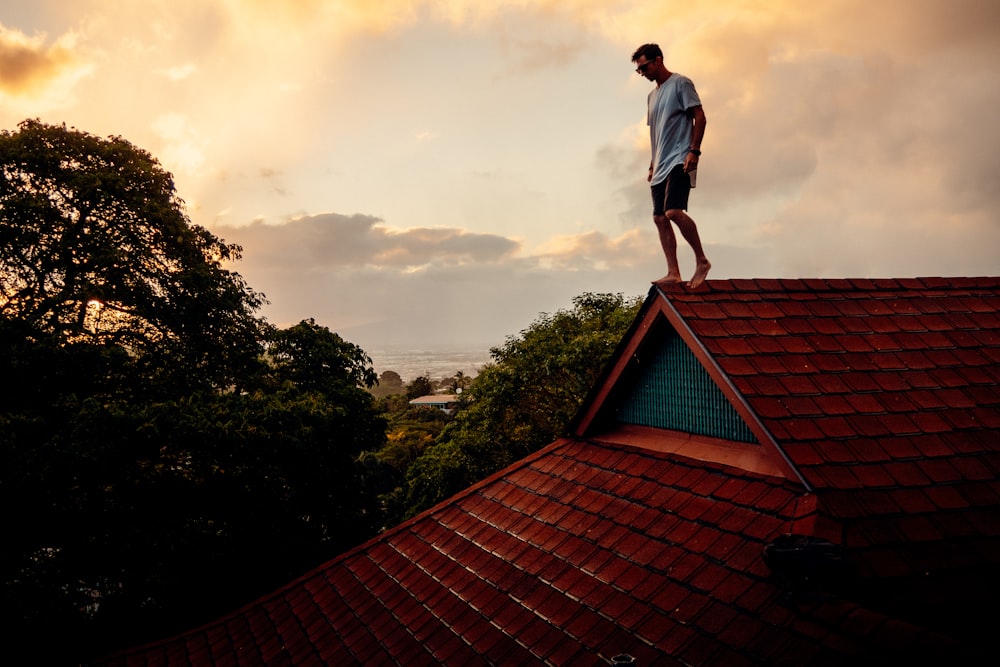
x=695, y=151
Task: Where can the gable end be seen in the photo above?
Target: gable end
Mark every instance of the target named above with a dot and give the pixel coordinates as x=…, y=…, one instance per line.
x=663, y=390
x=674, y=391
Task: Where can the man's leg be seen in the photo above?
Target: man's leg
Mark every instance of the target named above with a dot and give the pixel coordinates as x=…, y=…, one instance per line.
x=669, y=244
x=689, y=230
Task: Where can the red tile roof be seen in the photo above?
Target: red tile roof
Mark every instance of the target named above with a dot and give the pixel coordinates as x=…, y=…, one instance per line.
x=895, y=405
x=875, y=410
x=532, y=567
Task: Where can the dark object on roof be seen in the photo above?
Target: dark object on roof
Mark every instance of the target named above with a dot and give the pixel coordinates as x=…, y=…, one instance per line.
x=861, y=417
x=806, y=559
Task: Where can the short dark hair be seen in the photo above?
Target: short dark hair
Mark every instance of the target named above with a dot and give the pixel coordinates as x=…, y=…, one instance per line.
x=651, y=51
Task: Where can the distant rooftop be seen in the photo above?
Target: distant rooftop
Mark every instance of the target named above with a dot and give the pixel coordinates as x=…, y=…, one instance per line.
x=435, y=399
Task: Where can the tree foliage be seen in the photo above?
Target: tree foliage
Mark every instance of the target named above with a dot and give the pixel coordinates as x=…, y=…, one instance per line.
x=127, y=518
x=421, y=386
x=315, y=359
x=389, y=383
x=410, y=432
x=95, y=248
x=161, y=515
x=165, y=454
x=524, y=399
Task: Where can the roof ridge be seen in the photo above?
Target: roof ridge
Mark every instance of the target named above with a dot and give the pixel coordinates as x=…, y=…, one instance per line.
x=831, y=284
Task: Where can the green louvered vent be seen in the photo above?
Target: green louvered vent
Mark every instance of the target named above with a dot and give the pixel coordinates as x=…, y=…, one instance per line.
x=674, y=391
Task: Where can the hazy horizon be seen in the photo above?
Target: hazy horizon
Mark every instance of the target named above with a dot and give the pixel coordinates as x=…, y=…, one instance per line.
x=438, y=362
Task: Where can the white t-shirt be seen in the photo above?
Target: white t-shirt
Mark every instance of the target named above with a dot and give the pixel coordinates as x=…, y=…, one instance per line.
x=669, y=125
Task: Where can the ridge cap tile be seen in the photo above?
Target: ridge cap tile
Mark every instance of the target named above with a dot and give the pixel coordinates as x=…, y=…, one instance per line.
x=792, y=284
x=864, y=284
x=772, y=285
x=743, y=284
x=720, y=285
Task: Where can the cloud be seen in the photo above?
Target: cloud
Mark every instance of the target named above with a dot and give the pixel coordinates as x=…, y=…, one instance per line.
x=377, y=284
x=182, y=150
x=179, y=72
x=330, y=242
x=595, y=250
x=37, y=76
x=530, y=55
x=25, y=62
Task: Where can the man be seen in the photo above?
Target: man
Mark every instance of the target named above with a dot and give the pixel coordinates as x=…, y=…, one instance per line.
x=676, y=127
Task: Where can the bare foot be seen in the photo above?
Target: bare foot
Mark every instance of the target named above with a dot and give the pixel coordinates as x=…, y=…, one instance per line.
x=668, y=280
x=700, y=273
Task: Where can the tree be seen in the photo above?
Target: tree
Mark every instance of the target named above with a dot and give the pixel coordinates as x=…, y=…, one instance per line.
x=389, y=383
x=95, y=248
x=128, y=518
x=316, y=359
x=525, y=398
x=420, y=386
x=458, y=382
x=163, y=452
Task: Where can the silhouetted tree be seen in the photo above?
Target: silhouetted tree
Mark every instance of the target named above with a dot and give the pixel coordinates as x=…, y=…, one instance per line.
x=420, y=386
x=96, y=249
x=459, y=382
x=389, y=383
x=165, y=454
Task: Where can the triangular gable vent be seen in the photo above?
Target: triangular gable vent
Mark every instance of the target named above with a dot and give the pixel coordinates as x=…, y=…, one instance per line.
x=674, y=391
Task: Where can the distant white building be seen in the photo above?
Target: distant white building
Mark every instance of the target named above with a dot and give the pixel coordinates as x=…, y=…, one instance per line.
x=444, y=402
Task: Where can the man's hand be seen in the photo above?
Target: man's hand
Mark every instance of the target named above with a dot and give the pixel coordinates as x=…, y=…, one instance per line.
x=690, y=163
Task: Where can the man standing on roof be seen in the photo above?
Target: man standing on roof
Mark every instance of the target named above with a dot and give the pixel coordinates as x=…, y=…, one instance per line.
x=676, y=127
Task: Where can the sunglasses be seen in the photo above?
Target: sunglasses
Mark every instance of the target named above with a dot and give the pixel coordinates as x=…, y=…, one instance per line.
x=641, y=69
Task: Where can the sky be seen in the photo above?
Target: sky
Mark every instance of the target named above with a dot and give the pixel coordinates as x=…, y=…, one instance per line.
x=440, y=172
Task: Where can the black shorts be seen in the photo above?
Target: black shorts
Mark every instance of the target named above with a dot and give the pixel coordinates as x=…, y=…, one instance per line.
x=672, y=192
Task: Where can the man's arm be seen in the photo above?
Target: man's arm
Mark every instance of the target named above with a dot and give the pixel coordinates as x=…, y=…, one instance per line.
x=698, y=121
